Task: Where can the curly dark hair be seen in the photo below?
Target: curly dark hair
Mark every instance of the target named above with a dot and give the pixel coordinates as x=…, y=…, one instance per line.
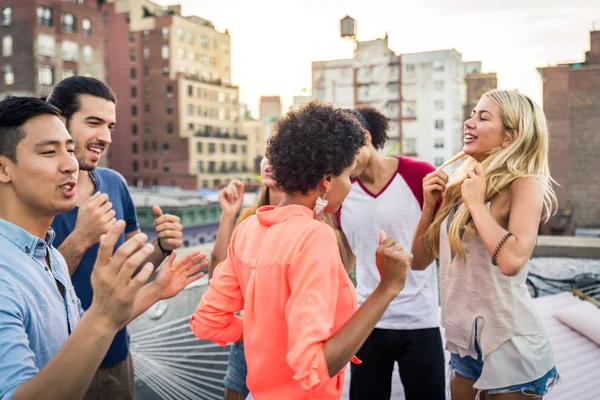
x=316, y=140
x=377, y=125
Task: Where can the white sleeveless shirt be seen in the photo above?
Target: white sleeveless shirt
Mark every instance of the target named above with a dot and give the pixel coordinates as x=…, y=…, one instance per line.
x=475, y=293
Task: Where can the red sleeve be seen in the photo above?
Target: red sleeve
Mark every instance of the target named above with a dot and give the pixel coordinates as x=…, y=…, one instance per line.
x=413, y=171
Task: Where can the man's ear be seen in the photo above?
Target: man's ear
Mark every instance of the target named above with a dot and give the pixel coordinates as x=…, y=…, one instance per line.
x=5, y=168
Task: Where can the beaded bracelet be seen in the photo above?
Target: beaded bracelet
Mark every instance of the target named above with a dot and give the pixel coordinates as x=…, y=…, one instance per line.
x=499, y=247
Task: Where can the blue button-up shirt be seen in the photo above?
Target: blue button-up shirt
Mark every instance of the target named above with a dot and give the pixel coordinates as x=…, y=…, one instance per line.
x=35, y=319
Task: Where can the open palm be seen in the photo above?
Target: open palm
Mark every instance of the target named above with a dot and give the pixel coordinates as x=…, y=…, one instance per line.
x=175, y=274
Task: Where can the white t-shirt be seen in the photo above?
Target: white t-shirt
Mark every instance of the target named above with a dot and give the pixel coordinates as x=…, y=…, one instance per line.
x=396, y=211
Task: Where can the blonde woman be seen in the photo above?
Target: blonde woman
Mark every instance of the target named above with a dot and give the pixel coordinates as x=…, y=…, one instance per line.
x=484, y=234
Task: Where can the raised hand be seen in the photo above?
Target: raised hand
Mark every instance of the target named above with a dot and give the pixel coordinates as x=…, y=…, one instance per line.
x=175, y=274
x=94, y=219
x=169, y=229
x=473, y=188
x=434, y=186
x=231, y=198
x=392, y=262
x=114, y=285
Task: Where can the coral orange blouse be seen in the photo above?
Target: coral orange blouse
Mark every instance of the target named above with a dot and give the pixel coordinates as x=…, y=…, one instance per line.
x=284, y=270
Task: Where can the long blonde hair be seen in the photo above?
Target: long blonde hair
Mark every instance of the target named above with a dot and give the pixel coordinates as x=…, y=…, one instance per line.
x=526, y=156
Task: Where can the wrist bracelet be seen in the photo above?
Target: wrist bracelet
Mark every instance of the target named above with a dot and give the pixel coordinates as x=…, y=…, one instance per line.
x=165, y=252
x=499, y=247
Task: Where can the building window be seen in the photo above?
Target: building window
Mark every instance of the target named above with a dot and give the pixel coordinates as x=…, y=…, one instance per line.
x=200, y=166
x=223, y=148
x=438, y=85
x=199, y=147
x=9, y=76
x=86, y=25
x=146, y=52
x=154, y=164
x=7, y=46
x=70, y=51
x=46, y=75
x=147, y=108
x=191, y=37
x=127, y=18
x=169, y=91
x=88, y=54
x=234, y=148
x=438, y=161
x=190, y=110
x=134, y=166
x=212, y=167
x=154, y=147
x=165, y=71
x=131, y=37
x=438, y=67
x=438, y=143
x=410, y=68
x=190, y=127
x=133, y=92
x=134, y=148
x=409, y=146
x=164, y=31
x=180, y=34
x=146, y=162
x=243, y=149
x=166, y=148
x=204, y=41
x=181, y=54
x=147, y=129
x=134, y=111
x=145, y=34
x=44, y=15
x=7, y=16
x=146, y=74
x=134, y=130
x=211, y=148
x=164, y=52
x=67, y=73
x=46, y=45
x=132, y=73
x=169, y=109
x=132, y=55
x=68, y=23
x=439, y=104
x=190, y=91
x=439, y=124
x=170, y=127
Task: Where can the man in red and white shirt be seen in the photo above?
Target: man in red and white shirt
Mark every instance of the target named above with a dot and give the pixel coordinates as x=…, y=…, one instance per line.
x=387, y=196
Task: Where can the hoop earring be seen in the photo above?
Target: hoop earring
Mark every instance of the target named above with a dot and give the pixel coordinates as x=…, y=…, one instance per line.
x=319, y=209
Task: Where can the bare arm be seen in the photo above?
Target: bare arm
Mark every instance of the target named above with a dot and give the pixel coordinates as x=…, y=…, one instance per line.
x=525, y=214
x=422, y=257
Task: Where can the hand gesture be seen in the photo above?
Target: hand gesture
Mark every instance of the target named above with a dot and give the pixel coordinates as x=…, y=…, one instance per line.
x=473, y=188
x=168, y=228
x=231, y=198
x=94, y=219
x=434, y=185
x=392, y=262
x=174, y=275
x=112, y=278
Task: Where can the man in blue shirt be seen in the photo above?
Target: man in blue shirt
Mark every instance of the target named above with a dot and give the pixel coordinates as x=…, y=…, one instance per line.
x=48, y=347
x=88, y=108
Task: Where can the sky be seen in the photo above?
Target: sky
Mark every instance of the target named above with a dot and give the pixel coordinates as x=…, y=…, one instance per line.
x=273, y=42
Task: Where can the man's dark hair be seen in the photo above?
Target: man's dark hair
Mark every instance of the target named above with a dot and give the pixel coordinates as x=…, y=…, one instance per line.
x=65, y=95
x=375, y=122
x=14, y=112
x=309, y=143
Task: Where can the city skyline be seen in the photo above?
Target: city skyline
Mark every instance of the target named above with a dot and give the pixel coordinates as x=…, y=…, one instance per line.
x=273, y=42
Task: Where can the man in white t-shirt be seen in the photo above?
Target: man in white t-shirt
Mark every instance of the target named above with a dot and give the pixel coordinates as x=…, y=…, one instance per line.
x=387, y=195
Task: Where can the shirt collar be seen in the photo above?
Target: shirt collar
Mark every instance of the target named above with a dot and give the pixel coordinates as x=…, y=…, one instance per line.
x=23, y=239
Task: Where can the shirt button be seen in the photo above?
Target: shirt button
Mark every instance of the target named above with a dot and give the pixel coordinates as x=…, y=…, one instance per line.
x=41, y=244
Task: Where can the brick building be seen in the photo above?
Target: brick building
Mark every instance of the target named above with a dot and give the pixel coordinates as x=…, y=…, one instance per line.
x=572, y=106
x=44, y=41
x=178, y=113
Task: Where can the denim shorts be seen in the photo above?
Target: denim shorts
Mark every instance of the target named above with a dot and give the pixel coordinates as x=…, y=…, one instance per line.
x=235, y=379
x=471, y=368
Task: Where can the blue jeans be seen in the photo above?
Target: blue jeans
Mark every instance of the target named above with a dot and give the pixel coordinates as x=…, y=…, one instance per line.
x=471, y=368
x=235, y=379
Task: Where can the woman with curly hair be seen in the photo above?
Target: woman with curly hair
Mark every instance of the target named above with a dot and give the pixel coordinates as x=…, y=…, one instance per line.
x=484, y=234
x=387, y=195
x=300, y=326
